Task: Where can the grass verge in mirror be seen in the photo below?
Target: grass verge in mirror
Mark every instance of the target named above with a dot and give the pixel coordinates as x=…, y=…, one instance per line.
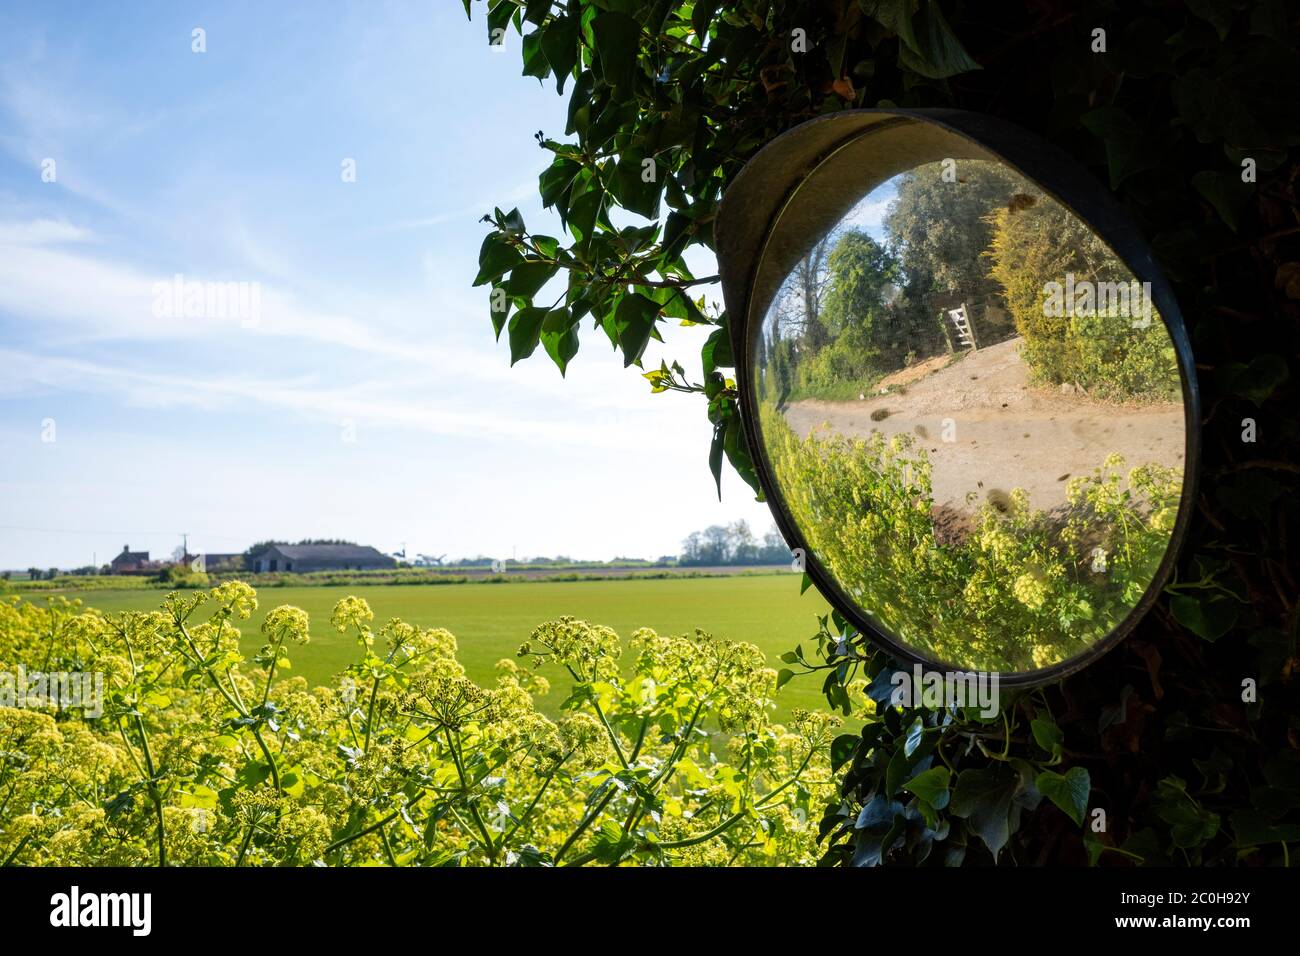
x=961, y=398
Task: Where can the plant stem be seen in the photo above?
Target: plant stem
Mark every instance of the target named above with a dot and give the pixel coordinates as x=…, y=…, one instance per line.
x=586, y=822
x=473, y=810
x=154, y=795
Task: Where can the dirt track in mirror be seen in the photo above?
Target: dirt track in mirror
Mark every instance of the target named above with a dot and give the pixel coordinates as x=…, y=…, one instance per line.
x=1004, y=432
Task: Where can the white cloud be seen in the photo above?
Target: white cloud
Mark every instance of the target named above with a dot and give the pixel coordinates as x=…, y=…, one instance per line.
x=86, y=298
x=870, y=213
x=525, y=190
x=371, y=403
x=39, y=232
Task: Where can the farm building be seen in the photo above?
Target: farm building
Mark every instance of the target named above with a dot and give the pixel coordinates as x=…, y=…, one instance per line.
x=217, y=562
x=130, y=562
x=302, y=558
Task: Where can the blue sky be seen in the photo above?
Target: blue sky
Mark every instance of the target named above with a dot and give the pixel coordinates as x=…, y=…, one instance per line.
x=368, y=400
x=870, y=211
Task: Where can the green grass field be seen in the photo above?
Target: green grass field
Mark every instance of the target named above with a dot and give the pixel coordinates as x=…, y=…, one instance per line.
x=490, y=621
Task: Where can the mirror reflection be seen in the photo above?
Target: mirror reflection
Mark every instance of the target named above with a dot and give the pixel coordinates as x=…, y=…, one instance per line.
x=972, y=412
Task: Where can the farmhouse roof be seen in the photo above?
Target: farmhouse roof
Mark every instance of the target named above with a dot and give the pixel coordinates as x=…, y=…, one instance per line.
x=308, y=552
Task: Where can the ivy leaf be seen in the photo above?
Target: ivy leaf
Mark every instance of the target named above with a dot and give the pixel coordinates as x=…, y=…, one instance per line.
x=1047, y=735
x=843, y=748
x=895, y=16
x=1129, y=147
x=1214, y=12
x=931, y=786
x=1256, y=381
x=1225, y=192
x=1252, y=828
x=1190, y=824
x=878, y=812
x=1209, y=618
x=914, y=735
x=1069, y=791
x=939, y=54
x=901, y=767
x=982, y=798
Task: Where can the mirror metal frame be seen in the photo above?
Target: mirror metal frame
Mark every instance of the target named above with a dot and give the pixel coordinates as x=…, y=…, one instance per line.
x=748, y=218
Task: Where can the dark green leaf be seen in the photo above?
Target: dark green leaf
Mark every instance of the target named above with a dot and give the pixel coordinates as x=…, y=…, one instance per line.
x=914, y=735
x=843, y=748
x=1047, y=735
x=702, y=16
x=555, y=181
x=715, y=466
x=982, y=798
x=1256, y=381
x=1190, y=824
x=940, y=54
x=560, y=337
x=496, y=257
x=560, y=45
x=527, y=278
x=635, y=320
x=535, y=11
x=1226, y=192
x=717, y=351
x=1252, y=828
x=618, y=39
x=1207, y=617
x=525, y=329
x=931, y=786
x=1069, y=791
x=1129, y=148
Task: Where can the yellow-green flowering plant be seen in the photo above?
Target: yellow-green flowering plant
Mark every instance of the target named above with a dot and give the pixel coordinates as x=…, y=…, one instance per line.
x=1031, y=589
x=663, y=753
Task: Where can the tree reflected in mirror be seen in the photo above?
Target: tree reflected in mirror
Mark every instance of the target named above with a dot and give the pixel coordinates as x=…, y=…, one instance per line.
x=972, y=413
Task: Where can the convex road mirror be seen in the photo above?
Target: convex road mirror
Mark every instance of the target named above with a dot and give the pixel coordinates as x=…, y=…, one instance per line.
x=966, y=386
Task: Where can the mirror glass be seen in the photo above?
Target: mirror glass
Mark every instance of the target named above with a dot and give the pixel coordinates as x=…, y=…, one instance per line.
x=972, y=413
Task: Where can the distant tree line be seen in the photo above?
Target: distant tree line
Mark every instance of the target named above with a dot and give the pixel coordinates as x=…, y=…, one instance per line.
x=734, y=543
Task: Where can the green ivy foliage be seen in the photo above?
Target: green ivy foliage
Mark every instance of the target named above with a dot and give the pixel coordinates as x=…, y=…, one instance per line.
x=1188, y=735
